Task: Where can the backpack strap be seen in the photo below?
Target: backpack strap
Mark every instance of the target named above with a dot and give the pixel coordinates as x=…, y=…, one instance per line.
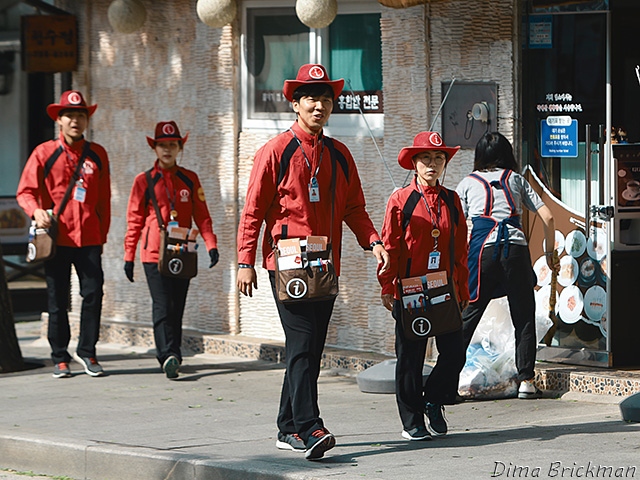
x=409, y=207
x=292, y=146
x=152, y=195
x=447, y=195
x=72, y=182
x=151, y=182
x=414, y=198
x=454, y=216
x=96, y=158
x=187, y=181
x=338, y=156
x=48, y=165
x=285, y=159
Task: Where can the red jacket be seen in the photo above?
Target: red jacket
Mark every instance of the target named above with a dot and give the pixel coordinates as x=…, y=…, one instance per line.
x=283, y=204
x=184, y=186
x=45, y=179
x=415, y=243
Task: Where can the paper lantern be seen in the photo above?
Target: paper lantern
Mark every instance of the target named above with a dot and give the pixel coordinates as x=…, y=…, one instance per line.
x=126, y=16
x=317, y=13
x=216, y=13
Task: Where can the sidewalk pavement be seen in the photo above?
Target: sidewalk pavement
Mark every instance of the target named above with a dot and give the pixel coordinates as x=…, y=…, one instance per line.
x=217, y=421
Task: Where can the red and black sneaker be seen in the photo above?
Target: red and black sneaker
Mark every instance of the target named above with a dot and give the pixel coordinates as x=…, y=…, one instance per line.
x=90, y=364
x=61, y=370
x=319, y=442
x=290, y=441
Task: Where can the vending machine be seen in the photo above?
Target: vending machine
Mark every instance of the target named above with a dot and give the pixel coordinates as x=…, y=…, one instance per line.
x=625, y=257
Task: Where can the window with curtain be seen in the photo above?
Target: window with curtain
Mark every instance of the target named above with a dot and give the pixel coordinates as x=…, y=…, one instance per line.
x=277, y=43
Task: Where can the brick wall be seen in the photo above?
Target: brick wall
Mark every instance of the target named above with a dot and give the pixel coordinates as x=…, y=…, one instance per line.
x=177, y=68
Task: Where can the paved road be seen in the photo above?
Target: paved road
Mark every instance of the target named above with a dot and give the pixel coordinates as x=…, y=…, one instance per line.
x=218, y=422
x=20, y=475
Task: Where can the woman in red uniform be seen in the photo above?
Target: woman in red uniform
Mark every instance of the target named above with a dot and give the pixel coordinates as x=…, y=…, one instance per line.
x=180, y=198
x=417, y=234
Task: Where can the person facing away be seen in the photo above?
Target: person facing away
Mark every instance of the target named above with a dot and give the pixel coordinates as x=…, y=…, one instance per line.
x=290, y=191
x=499, y=260
x=82, y=228
x=180, y=198
x=418, y=243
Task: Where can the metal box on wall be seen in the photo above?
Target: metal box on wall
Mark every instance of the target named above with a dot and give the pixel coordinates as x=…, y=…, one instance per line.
x=469, y=112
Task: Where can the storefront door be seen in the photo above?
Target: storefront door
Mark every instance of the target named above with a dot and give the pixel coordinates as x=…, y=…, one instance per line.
x=579, y=75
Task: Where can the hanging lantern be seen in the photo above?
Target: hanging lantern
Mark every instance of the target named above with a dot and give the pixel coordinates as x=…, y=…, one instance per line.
x=216, y=13
x=126, y=16
x=317, y=13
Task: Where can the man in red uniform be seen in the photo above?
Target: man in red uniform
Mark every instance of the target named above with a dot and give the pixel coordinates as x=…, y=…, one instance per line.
x=290, y=190
x=82, y=227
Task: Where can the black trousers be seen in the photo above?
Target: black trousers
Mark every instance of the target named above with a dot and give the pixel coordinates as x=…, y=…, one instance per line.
x=441, y=386
x=88, y=264
x=305, y=327
x=515, y=277
x=169, y=296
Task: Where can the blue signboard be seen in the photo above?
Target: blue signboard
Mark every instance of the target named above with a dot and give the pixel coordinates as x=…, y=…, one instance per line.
x=540, y=31
x=559, y=137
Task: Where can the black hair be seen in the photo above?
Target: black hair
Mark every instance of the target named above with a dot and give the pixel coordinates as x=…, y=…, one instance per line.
x=155, y=144
x=493, y=150
x=67, y=110
x=312, y=90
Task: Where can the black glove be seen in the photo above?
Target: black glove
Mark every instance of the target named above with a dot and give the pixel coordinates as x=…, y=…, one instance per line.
x=213, y=255
x=128, y=270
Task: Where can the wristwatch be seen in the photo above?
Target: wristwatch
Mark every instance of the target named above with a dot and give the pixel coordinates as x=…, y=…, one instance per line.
x=377, y=242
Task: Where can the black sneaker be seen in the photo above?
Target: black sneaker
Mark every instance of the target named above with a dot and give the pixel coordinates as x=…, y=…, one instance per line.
x=416, y=434
x=290, y=441
x=61, y=370
x=435, y=415
x=319, y=442
x=90, y=364
x=171, y=366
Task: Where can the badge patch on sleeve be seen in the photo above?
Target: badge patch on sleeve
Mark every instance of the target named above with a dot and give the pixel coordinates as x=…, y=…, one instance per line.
x=201, y=194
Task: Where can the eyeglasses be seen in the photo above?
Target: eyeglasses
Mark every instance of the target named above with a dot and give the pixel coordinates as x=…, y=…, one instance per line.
x=428, y=158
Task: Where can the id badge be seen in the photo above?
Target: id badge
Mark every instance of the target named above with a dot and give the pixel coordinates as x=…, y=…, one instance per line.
x=80, y=194
x=434, y=261
x=314, y=191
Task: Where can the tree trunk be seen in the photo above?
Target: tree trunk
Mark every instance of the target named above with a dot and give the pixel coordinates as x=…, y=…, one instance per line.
x=10, y=355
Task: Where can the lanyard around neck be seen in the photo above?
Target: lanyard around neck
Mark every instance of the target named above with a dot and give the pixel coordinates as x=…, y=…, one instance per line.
x=171, y=195
x=79, y=167
x=435, y=220
x=304, y=154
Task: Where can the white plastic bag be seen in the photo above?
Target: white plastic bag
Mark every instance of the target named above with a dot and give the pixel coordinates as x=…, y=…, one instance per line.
x=490, y=370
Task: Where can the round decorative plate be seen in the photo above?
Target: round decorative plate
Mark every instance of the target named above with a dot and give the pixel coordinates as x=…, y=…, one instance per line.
x=595, y=303
x=543, y=272
x=568, y=271
x=571, y=303
x=597, y=244
x=576, y=243
x=560, y=243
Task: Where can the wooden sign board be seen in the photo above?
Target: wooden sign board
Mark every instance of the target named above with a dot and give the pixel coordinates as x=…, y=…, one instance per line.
x=49, y=43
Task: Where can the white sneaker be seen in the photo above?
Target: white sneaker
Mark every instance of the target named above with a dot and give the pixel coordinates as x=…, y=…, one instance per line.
x=528, y=390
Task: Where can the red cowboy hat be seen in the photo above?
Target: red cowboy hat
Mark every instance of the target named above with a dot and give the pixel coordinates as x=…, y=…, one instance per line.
x=309, y=74
x=423, y=142
x=167, y=132
x=71, y=99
